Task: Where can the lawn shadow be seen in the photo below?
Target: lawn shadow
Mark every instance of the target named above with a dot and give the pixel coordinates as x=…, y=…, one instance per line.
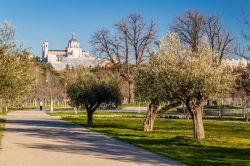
x=196, y=153
x=103, y=125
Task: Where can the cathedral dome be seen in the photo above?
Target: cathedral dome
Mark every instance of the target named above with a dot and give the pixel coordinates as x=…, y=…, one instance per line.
x=73, y=43
x=73, y=39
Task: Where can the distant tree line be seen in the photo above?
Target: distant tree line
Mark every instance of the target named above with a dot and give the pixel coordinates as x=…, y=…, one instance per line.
x=15, y=69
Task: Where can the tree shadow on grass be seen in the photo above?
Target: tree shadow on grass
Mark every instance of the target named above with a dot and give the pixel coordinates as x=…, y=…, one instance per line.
x=181, y=147
x=82, y=122
x=193, y=152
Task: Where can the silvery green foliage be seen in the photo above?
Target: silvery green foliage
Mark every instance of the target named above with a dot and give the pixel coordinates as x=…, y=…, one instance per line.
x=15, y=77
x=90, y=91
x=174, y=71
x=7, y=37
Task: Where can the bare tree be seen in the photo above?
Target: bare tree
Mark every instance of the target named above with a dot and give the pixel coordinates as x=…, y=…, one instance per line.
x=105, y=46
x=140, y=36
x=190, y=28
x=246, y=22
x=127, y=48
x=193, y=26
x=220, y=41
x=242, y=51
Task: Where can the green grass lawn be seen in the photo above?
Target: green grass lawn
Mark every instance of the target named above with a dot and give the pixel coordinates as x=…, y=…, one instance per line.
x=3, y=113
x=226, y=143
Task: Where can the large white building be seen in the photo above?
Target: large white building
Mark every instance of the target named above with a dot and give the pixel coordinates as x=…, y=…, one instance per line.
x=234, y=63
x=73, y=55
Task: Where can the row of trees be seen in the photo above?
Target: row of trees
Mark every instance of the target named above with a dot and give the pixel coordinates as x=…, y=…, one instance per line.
x=24, y=78
x=15, y=68
x=174, y=74
x=185, y=68
x=49, y=84
x=129, y=46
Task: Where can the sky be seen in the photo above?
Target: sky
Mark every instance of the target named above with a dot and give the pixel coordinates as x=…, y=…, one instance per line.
x=56, y=20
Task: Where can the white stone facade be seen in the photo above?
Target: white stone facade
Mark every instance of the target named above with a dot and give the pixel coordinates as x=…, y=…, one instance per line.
x=234, y=63
x=72, y=55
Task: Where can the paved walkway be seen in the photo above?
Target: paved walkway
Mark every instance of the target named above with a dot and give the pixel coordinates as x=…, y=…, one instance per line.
x=32, y=138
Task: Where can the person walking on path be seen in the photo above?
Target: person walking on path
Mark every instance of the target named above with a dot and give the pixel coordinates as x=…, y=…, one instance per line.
x=41, y=105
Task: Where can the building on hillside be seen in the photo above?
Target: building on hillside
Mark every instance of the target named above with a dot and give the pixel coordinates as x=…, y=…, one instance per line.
x=234, y=63
x=107, y=63
x=73, y=55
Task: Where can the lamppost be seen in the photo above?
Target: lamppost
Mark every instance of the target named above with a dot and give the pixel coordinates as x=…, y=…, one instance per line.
x=139, y=98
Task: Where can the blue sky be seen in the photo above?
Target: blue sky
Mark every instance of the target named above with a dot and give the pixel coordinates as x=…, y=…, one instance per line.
x=55, y=20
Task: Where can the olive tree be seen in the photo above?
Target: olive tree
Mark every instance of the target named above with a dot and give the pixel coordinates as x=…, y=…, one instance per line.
x=149, y=88
x=189, y=77
x=90, y=92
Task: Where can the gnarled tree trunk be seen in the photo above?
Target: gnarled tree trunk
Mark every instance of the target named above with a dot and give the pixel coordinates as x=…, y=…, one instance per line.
x=150, y=117
x=90, y=118
x=90, y=111
x=154, y=111
x=197, y=123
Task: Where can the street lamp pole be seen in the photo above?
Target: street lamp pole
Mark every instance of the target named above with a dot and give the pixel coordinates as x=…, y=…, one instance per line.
x=51, y=99
x=51, y=102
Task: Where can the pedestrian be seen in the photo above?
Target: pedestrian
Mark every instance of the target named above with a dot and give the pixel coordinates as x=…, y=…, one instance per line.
x=41, y=105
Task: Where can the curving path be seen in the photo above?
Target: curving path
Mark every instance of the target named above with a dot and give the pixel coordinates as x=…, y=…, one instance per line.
x=33, y=138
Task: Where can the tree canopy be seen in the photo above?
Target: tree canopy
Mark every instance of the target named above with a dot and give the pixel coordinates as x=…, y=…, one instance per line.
x=149, y=88
x=15, y=73
x=90, y=92
x=188, y=76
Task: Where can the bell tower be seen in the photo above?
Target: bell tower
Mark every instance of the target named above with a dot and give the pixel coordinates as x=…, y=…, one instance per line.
x=45, y=48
